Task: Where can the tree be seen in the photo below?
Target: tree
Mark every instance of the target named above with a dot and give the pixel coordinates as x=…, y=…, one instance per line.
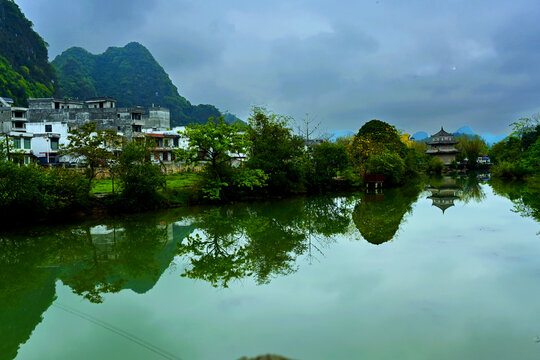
x=214, y=145
x=374, y=138
x=391, y=165
x=91, y=146
x=139, y=178
x=471, y=147
x=328, y=160
x=308, y=128
x=274, y=149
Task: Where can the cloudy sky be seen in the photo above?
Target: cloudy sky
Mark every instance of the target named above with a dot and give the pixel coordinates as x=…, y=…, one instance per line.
x=415, y=64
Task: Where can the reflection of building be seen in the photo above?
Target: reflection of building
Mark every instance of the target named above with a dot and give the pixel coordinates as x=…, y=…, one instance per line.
x=442, y=145
x=445, y=193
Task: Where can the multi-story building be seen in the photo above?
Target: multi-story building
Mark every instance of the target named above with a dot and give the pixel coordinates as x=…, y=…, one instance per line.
x=13, y=120
x=442, y=145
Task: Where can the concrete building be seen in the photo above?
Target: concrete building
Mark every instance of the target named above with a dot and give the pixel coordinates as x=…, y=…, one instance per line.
x=13, y=122
x=47, y=139
x=129, y=121
x=158, y=118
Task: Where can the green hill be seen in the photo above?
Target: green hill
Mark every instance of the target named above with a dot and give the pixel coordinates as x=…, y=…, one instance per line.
x=25, y=70
x=131, y=75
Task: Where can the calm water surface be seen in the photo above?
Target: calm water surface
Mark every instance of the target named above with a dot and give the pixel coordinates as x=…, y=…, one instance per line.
x=376, y=276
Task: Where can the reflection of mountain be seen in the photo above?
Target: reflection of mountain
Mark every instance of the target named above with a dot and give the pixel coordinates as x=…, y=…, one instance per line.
x=378, y=218
x=91, y=260
x=18, y=319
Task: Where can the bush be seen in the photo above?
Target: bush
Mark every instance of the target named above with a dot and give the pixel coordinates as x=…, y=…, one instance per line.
x=509, y=170
x=391, y=165
x=435, y=165
x=32, y=191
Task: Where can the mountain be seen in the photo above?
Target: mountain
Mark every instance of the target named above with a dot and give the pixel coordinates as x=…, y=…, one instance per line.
x=420, y=135
x=466, y=130
x=132, y=76
x=25, y=70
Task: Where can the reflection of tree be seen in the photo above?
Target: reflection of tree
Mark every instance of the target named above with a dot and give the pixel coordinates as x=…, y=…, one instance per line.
x=471, y=189
x=525, y=196
x=261, y=240
x=378, y=221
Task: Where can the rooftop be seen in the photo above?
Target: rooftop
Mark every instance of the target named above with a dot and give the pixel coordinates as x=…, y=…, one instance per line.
x=442, y=133
x=99, y=99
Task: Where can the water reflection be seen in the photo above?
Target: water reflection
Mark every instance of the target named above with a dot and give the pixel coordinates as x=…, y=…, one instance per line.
x=260, y=240
x=379, y=216
x=217, y=245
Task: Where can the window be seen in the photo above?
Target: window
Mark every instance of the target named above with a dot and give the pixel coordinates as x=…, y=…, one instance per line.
x=27, y=144
x=54, y=144
x=56, y=105
x=165, y=157
x=17, y=143
x=48, y=128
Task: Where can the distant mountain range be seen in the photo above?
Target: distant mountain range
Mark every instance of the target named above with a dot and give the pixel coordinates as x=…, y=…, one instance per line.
x=464, y=130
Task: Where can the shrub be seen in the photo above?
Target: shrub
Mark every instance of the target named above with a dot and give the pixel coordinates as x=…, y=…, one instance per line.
x=391, y=165
x=509, y=170
x=435, y=165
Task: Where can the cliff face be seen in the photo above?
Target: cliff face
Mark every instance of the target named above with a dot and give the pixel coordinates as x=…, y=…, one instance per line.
x=131, y=75
x=25, y=70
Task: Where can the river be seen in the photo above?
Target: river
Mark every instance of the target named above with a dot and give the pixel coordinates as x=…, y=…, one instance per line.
x=444, y=270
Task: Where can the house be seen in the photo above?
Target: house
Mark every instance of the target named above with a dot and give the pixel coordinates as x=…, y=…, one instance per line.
x=13, y=122
x=101, y=110
x=442, y=145
x=46, y=141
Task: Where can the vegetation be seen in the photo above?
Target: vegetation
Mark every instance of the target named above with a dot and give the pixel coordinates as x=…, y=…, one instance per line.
x=139, y=179
x=91, y=147
x=24, y=67
x=275, y=150
x=215, y=144
x=132, y=76
x=471, y=148
x=518, y=155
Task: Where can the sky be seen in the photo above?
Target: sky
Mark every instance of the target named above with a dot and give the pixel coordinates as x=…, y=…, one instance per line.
x=418, y=65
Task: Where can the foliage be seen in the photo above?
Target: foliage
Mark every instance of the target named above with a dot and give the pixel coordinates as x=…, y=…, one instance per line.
x=33, y=191
x=24, y=67
x=471, y=147
x=91, y=146
x=214, y=145
x=435, y=165
x=139, y=178
x=509, y=170
x=328, y=160
x=275, y=150
x=374, y=138
x=391, y=165
x=132, y=76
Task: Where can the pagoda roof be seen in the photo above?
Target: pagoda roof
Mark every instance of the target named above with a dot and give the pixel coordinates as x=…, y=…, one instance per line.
x=442, y=133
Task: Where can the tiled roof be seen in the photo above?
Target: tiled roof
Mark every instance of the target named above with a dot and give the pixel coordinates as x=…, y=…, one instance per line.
x=442, y=133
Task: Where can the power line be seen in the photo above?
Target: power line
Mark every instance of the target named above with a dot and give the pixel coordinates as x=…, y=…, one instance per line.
x=161, y=352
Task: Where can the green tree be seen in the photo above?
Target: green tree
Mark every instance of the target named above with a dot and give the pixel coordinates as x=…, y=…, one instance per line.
x=374, y=138
x=391, y=165
x=471, y=148
x=275, y=150
x=328, y=160
x=139, y=178
x=214, y=145
x=91, y=146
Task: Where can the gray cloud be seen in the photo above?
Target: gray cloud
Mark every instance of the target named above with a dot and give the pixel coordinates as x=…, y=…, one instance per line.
x=415, y=64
